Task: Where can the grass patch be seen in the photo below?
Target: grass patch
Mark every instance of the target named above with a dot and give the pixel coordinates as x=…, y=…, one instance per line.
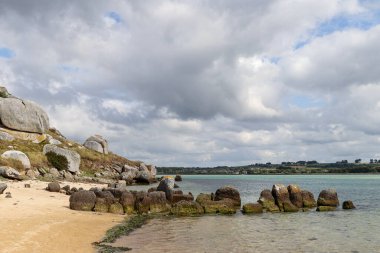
x=16, y=164
x=58, y=161
x=120, y=230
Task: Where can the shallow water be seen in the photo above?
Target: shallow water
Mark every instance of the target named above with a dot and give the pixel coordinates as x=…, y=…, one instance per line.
x=340, y=231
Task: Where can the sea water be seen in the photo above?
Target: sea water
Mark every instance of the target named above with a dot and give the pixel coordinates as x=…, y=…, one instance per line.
x=339, y=231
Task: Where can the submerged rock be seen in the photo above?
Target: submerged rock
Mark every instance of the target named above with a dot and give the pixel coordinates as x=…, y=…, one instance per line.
x=187, y=208
x=82, y=200
x=326, y=208
x=252, y=208
x=328, y=197
x=348, y=204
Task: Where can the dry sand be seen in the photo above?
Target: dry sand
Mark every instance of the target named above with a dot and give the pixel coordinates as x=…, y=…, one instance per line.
x=35, y=220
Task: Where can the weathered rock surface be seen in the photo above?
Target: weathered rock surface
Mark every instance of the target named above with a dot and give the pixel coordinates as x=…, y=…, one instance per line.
x=295, y=195
x=97, y=143
x=3, y=186
x=252, y=208
x=267, y=201
x=4, y=136
x=178, y=197
x=228, y=192
x=225, y=206
x=127, y=200
x=23, y=115
x=73, y=158
x=116, y=208
x=53, y=187
x=178, y=178
x=326, y=208
x=82, y=200
x=187, y=208
x=167, y=185
x=348, y=204
x=158, y=202
x=282, y=199
x=10, y=173
x=19, y=156
x=308, y=200
x=328, y=197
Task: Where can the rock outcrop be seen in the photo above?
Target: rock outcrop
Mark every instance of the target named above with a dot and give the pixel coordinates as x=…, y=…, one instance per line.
x=328, y=197
x=23, y=115
x=97, y=143
x=72, y=157
x=267, y=201
x=19, y=156
x=308, y=200
x=282, y=199
x=210, y=206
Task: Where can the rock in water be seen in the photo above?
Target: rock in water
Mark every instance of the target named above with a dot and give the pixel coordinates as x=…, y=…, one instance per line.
x=348, y=205
x=252, y=208
x=167, y=185
x=82, y=200
x=2, y=187
x=187, y=208
x=178, y=178
x=282, y=199
x=328, y=197
x=73, y=158
x=97, y=143
x=158, y=202
x=10, y=173
x=19, y=156
x=267, y=201
x=308, y=199
x=228, y=192
x=23, y=115
x=295, y=195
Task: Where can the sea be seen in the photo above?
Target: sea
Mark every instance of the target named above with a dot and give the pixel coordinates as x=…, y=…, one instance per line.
x=350, y=231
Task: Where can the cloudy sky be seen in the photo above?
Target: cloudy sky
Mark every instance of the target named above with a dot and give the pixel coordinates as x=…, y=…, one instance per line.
x=202, y=82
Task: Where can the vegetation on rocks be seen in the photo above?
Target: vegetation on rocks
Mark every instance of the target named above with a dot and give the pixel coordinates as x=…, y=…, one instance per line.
x=58, y=161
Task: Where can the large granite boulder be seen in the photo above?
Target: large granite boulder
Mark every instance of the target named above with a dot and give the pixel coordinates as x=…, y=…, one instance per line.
x=72, y=157
x=252, y=208
x=295, y=195
x=83, y=200
x=267, y=201
x=23, y=115
x=187, y=208
x=97, y=143
x=127, y=200
x=308, y=200
x=328, y=197
x=228, y=192
x=9, y=173
x=167, y=185
x=2, y=187
x=225, y=206
x=19, y=156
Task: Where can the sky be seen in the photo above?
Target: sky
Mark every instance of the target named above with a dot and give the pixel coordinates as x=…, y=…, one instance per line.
x=202, y=82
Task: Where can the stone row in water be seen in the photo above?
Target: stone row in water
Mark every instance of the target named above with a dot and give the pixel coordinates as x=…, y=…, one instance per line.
x=226, y=200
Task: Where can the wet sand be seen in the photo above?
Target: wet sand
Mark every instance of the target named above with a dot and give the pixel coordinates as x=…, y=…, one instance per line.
x=35, y=220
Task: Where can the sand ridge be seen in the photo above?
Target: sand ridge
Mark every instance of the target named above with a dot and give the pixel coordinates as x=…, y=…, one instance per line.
x=35, y=220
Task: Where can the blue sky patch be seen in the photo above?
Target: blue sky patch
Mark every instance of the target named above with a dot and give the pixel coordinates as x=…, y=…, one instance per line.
x=305, y=102
x=115, y=16
x=6, y=53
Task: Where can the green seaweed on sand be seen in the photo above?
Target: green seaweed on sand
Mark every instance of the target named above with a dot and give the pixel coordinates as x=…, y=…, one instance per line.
x=123, y=229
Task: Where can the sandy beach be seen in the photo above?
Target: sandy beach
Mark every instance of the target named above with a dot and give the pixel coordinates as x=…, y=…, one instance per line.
x=35, y=220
